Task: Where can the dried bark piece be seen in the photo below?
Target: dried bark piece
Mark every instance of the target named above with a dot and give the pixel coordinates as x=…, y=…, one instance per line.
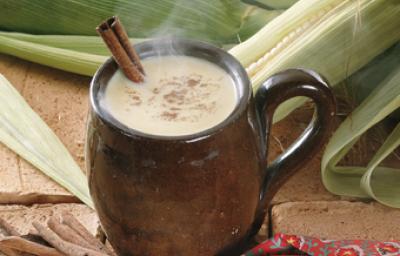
x=123, y=38
x=10, y=230
x=120, y=54
x=65, y=247
x=69, y=220
x=68, y=234
x=24, y=247
x=9, y=252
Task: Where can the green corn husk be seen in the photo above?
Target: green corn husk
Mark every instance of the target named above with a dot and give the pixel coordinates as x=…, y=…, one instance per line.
x=333, y=37
x=361, y=84
x=271, y=4
x=211, y=20
x=69, y=60
x=372, y=181
x=83, y=54
x=254, y=20
x=23, y=131
x=78, y=54
x=85, y=44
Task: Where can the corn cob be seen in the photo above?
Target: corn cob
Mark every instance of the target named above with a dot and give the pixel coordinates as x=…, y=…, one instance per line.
x=333, y=37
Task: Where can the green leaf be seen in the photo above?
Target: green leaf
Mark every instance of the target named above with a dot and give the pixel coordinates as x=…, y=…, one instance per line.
x=372, y=181
x=254, y=20
x=271, y=4
x=211, y=20
x=68, y=60
x=382, y=183
x=24, y=132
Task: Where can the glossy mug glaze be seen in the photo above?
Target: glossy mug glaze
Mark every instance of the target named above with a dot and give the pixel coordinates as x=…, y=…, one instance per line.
x=201, y=194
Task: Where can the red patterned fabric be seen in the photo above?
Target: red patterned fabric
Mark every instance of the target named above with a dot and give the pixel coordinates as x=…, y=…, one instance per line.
x=282, y=244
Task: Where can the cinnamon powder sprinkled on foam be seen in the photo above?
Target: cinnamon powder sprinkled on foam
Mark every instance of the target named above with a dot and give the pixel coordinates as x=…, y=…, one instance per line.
x=181, y=95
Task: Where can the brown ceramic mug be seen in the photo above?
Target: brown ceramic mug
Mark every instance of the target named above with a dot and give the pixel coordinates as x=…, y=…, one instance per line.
x=205, y=193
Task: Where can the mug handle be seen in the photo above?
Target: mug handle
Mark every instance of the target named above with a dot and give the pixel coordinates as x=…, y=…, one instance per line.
x=274, y=91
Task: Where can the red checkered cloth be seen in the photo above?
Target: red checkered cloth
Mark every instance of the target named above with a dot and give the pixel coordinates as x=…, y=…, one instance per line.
x=282, y=244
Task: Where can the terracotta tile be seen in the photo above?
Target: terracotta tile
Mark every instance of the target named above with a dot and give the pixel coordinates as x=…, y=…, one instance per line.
x=337, y=220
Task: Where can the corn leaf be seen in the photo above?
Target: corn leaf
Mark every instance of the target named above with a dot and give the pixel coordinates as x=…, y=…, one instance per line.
x=382, y=183
x=85, y=44
x=271, y=4
x=373, y=181
x=255, y=18
x=211, y=20
x=23, y=131
x=362, y=83
x=69, y=60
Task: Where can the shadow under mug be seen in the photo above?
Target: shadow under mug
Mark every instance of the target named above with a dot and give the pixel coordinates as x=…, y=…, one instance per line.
x=201, y=194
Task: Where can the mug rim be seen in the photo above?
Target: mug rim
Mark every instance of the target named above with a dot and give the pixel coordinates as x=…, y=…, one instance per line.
x=243, y=85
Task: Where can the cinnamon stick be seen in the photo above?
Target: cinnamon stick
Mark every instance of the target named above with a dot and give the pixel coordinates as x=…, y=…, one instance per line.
x=123, y=38
x=10, y=252
x=68, y=234
x=119, y=50
x=65, y=247
x=23, y=245
x=69, y=220
x=10, y=230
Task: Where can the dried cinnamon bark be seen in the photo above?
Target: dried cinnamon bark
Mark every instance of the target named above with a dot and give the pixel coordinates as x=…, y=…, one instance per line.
x=123, y=38
x=69, y=220
x=10, y=252
x=69, y=235
x=23, y=245
x=10, y=230
x=123, y=52
x=63, y=246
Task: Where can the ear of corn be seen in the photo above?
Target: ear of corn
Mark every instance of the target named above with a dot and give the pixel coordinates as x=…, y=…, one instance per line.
x=23, y=131
x=333, y=37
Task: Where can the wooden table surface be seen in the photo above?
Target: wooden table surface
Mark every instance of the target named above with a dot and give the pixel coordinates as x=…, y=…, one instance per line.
x=303, y=206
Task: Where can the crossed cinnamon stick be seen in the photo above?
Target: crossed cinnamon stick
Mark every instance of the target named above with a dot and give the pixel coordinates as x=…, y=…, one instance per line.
x=63, y=235
x=117, y=41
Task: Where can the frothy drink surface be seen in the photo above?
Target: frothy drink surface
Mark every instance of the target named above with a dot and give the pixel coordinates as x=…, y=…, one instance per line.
x=181, y=95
